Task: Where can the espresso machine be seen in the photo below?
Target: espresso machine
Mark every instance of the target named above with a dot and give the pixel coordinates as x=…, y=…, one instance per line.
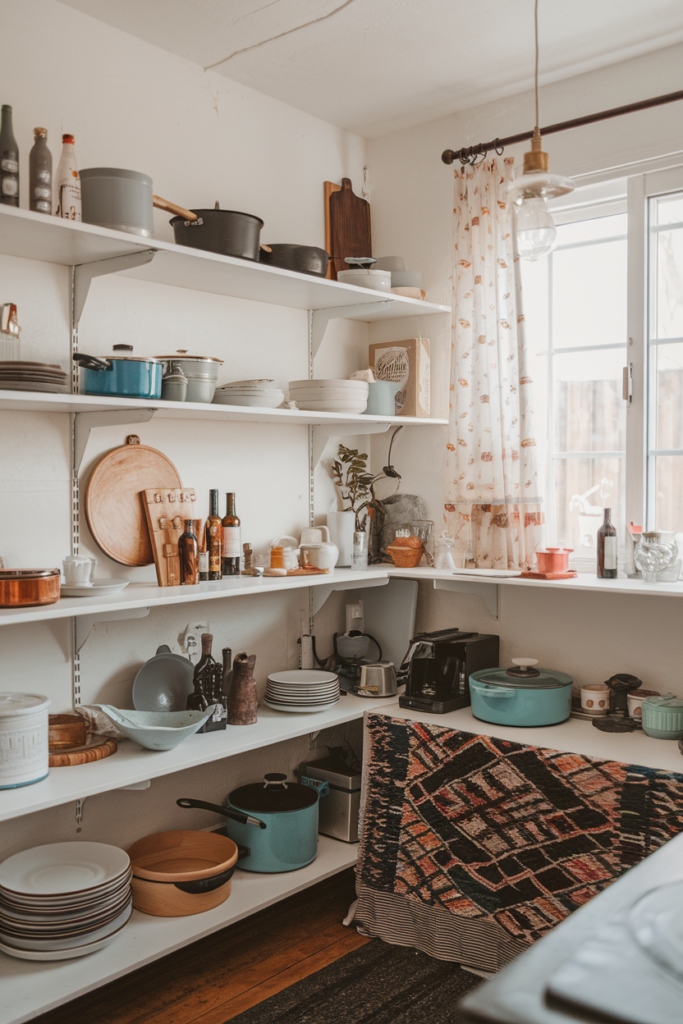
x=437, y=668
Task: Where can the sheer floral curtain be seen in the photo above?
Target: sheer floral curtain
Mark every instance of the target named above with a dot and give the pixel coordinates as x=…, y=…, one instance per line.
x=493, y=506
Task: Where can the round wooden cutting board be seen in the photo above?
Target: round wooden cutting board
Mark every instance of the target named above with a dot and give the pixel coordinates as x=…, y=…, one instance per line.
x=95, y=749
x=113, y=506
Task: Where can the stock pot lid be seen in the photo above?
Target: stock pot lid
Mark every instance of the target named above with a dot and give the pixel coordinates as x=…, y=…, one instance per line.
x=545, y=680
x=274, y=794
x=20, y=703
x=28, y=574
x=178, y=356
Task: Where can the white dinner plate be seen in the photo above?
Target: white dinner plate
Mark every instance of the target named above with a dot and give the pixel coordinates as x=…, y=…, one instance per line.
x=64, y=954
x=300, y=709
x=303, y=675
x=18, y=385
x=25, y=920
x=72, y=941
x=90, y=900
x=99, y=588
x=60, y=869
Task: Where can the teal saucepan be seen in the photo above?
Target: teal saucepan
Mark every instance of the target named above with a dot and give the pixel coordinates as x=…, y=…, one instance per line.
x=121, y=375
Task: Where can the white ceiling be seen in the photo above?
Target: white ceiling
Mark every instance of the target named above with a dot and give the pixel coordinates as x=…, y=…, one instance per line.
x=375, y=66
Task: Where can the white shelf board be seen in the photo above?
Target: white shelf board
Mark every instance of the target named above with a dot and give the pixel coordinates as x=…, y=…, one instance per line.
x=52, y=240
x=25, y=401
x=30, y=988
x=131, y=763
x=574, y=736
x=149, y=595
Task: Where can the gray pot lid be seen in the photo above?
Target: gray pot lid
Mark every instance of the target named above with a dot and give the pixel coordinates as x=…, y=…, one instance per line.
x=275, y=794
x=546, y=679
x=115, y=172
x=179, y=356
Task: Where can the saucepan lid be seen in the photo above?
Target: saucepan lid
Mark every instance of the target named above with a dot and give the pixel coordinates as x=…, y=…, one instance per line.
x=275, y=794
x=523, y=676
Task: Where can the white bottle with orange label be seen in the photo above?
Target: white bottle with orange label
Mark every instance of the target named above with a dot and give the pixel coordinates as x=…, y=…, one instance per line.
x=68, y=183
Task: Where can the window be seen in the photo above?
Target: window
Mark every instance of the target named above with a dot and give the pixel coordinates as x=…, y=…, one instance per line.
x=610, y=297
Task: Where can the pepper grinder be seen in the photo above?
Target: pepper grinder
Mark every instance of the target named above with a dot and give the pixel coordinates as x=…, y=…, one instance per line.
x=620, y=686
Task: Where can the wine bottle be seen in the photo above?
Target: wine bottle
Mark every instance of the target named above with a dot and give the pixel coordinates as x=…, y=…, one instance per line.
x=68, y=183
x=607, y=549
x=214, y=538
x=231, y=539
x=208, y=682
x=227, y=671
x=40, y=173
x=188, y=549
x=9, y=160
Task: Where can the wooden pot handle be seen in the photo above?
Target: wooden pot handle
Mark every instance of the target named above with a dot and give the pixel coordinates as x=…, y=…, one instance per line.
x=179, y=211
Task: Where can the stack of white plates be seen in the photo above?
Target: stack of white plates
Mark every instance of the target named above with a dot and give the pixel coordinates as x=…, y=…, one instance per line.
x=349, y=396
x=302, y=690
x=63, y=900
x=17, y=375
x=255, y=393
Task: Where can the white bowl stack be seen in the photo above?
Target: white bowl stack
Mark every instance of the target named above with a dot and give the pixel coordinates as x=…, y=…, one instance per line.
x=63, y=900
x=346, y=396
x=302, y=690
x=254, y=393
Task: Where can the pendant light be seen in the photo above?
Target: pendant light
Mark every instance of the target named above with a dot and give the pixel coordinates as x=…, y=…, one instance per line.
x=535, y=228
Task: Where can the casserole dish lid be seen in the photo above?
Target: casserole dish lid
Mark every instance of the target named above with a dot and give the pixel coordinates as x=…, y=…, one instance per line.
x=666, y=702
x=20, y=703
x=28, y=574
x=545, y=679
x=272, y=795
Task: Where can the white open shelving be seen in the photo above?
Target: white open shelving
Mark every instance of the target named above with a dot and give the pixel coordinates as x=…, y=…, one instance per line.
x=132, y=764
x=29, y=988
x=37, y=237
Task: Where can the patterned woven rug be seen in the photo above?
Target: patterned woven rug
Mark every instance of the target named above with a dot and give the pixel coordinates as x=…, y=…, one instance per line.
x=474, y=847
x=376, y=984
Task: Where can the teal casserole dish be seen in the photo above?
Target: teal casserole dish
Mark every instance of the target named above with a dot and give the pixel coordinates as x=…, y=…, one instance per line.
x=663, y=717
x=522, y=695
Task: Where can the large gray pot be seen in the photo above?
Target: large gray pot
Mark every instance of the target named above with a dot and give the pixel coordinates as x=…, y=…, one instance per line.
x=118, y=199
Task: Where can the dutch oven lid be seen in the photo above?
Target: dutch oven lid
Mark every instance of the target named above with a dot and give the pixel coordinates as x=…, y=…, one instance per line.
x=273, y=795
x=28, y=574
x=523, y=676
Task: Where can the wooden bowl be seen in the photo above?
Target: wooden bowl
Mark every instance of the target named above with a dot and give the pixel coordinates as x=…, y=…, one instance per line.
x=180, y=873
x=66, y=731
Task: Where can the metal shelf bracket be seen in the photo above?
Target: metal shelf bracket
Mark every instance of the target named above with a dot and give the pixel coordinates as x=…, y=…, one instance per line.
x=322, y=434
x=319, y=595
x=85, y=623
x=85, y=272
x=488, y=592
x=84, y=422
x=320, y=318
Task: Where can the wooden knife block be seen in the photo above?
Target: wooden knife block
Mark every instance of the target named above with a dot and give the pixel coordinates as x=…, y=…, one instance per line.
x=166, y=510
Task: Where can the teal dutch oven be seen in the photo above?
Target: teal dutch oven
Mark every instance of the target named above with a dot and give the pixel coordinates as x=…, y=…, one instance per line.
x=287, y=813
x=522, y=695
x=121, y=375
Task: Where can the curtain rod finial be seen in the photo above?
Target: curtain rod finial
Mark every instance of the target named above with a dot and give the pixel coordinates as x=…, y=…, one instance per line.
x=448, y=156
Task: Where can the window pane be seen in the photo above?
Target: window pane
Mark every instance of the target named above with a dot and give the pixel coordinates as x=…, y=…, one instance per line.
x=667, y=362
x=666, y=292
x=583, y=487
x=589, y=287
x=668, y=495
x=589, y=411
x=668, y=209
x=589, y=230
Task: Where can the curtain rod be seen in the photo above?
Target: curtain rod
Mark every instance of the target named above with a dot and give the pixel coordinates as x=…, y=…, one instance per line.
x=469, y=154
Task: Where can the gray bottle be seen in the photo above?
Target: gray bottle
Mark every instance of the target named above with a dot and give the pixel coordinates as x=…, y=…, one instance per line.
x=40, y=173
x=9, y=160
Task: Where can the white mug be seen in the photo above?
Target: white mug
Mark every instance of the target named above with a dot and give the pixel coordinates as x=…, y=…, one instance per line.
x=79, y=570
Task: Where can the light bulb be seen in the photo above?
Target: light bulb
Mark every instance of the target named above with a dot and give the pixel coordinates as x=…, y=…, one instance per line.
x=536, y=232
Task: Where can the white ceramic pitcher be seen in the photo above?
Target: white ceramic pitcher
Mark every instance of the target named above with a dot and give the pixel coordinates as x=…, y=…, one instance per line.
x=317, y=548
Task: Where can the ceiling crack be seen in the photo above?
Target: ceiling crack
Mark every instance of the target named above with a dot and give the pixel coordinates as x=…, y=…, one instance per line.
x=254, y=46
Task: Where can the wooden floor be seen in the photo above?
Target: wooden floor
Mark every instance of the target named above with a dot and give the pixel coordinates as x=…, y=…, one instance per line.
x=214, y=980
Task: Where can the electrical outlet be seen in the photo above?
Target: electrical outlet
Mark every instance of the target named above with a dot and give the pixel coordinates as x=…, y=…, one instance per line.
x=190, y=641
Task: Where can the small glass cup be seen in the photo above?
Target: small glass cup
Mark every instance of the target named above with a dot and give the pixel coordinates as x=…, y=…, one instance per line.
x=359, y=558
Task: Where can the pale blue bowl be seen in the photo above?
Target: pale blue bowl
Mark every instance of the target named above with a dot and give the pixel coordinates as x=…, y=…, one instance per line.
x=157, y=730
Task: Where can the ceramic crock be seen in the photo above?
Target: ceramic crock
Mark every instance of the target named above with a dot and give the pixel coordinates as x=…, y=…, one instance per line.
x=290, y=814
x=663, y=717
x=24, y=751
x=504, y=699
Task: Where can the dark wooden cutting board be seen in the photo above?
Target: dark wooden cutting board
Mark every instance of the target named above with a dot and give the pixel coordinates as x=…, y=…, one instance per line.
x=347, y=225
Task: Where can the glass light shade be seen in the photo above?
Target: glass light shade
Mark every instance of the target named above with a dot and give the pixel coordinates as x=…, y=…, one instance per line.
x=539, y=184
x=536, y=233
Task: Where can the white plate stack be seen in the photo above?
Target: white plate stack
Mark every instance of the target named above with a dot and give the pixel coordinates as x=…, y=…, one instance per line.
x=20, y=375
x=347, y=396
x=302, y=690
x=254, y=393
x=63, y=900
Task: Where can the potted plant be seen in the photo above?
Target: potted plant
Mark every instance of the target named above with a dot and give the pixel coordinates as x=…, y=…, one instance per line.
x=350, y=473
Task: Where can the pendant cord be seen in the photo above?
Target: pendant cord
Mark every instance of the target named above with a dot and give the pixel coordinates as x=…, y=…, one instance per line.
x=538, y=120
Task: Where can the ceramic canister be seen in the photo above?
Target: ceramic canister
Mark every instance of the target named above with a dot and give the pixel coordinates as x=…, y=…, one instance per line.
x=595, y=699
x=24, y=750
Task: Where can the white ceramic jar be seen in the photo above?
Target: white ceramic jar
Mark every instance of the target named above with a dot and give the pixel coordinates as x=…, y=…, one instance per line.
x=24, y=753
x=317, y=548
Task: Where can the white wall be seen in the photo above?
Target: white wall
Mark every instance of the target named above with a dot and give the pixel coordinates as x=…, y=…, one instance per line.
x=589, y=636
x=201, y=138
